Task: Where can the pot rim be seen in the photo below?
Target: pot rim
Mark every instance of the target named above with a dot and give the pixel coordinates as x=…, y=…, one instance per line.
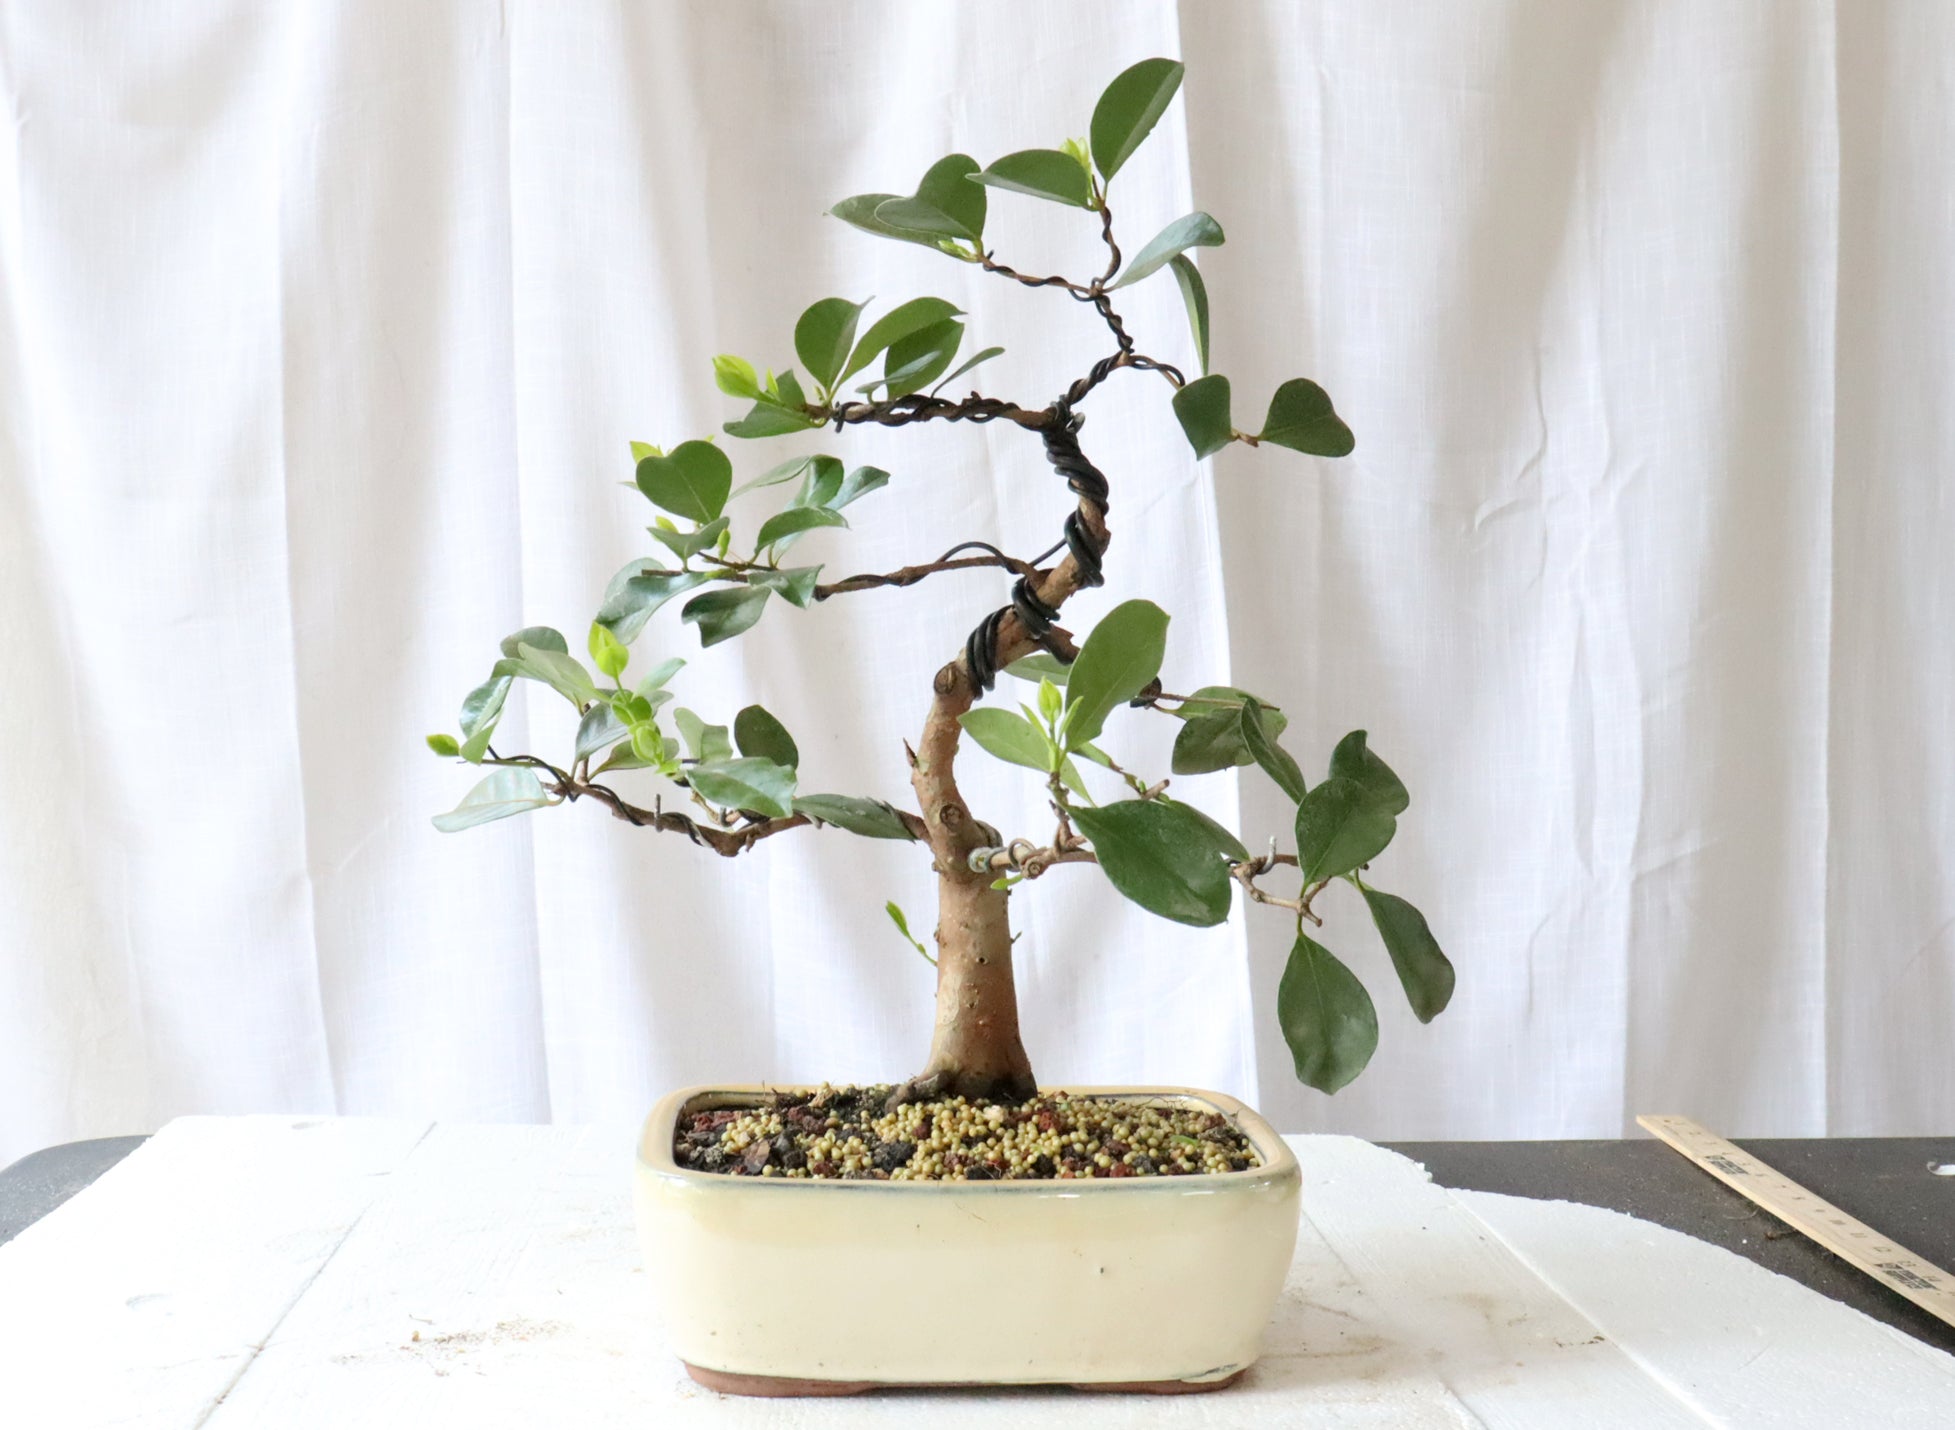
x=1279, y=1163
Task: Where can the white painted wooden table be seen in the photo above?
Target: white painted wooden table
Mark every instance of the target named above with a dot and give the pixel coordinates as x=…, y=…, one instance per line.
x=273, y=1272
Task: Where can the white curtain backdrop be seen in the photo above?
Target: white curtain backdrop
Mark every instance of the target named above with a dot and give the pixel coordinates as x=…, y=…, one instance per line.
x=324, y=327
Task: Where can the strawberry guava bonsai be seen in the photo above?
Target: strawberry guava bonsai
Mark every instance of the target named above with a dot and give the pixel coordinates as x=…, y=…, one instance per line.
x=727, y=790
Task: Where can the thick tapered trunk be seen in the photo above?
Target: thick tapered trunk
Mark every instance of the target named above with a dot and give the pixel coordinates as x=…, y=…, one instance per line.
x=976, y=1049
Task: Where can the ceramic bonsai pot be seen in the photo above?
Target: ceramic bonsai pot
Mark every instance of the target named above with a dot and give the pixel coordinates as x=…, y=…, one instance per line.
x=815, y=1287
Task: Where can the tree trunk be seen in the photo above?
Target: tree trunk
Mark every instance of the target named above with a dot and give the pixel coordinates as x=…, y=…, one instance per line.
x=975, y=1050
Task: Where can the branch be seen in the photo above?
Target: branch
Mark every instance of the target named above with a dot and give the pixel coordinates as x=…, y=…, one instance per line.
x=949, y=561
x=918, y=407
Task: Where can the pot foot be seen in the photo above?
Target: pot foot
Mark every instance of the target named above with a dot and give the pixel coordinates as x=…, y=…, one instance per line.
x=728, y=1382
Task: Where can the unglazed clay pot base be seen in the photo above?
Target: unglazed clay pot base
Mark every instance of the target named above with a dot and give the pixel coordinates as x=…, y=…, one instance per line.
x=772, y=1286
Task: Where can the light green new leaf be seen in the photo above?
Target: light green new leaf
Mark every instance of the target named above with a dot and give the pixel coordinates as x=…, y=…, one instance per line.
x=1301, y=418
x=686, y=544
x=444, y=744
x=703, y=741
x=732, y=375
x=823, y=337
x=899, y=322
x=758, y=733
x=946, y=204
x=1194, y=296
x=1353, y=760
x=1121, y=655
x=641, y=450
x=722, y=615
x=914, y=362
x=794, y=521
x=608, y=653
x=599, y=730
x=1165, y=857
x=870, y=818
x=1010, y=737
x=750, y=784
x=1341, y=826
x=1195, y=230
x=1424, y=971
x=639, y=589
x=1044, y=174
x=1129, y=109
x=1327, y=1017
x=693, y=480
x=897, y=917
x=502, y=794
x=1202, y=407
x=794, y=584
x=1259, y=738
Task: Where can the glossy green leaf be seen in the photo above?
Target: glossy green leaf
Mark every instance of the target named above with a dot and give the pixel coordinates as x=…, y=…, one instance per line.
x=1195, y=230
x=542, y=637
x=794, y=584
x=481, y=709
x=1202, y=408
x=914, y=362
x=1424, y=971
x=563, y=673
x=1327, y=1017
x=732, y=375
x=946, y=204
x=1352, y=759
x=858, y=483
x=758, y=733
x=1301, y=418
x=870, y=818
x=1040, y=665
x=823, y=336
x=1341, y=826
x=1121, y=655
x=898, y=323
x=1042, y=173
x=686, y=544
x=693, y=480
x=760, y=786
x=722, y=615
x=861, y=211
x=608, y=653
x=503, y=793
x=1212, y=739
x=793, y=469
x=703, y=741
x=821, y=480
x=983, y=356
x=1129, y=109
x=1225, y=838
x=794, y=521
x=639, y=589
x=444, y=744
x=1194, y=296
x=1165, y=857
x=1010, y=737
x=599, y=730
x=1259, y=738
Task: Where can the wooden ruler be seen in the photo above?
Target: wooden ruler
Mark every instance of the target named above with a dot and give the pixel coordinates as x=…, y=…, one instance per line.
x=1894, y=1267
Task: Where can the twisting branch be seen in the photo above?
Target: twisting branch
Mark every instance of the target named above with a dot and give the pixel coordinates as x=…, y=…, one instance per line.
x=1080, y=291
x=949, y=561
x=920, y=407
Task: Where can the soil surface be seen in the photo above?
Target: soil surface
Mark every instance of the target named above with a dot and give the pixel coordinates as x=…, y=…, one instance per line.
x=845, y=1133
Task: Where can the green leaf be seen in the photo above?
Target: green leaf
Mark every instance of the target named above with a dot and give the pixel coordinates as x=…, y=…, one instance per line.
x=542, y=637
x=1195, y=230
x=770, y=419
x=1300, y=417
x=1042, y=173
x=1326, y=1016
x=1164, y=857
x=895, y=913
x=1128, y=110
x=1119, y=658
x=1423, y=970
x=639, y=589
x=898, y=323
x=1211, y=736
x=858, y=483
x=563, y=673
x=722, y=615
x=860, y=210
x=1224, y=837
x=794, y=584
x=823, y=337
x=1040, y=665
x=823, y=480
x=444, y=744
x=1070, y=777
x=1353, y=760
x=481, y=709
x=758, y=733
x=1341, y=826
x=502, y=794
x=684, y=544
x=660, y=674
x=1259, y=738
x=985, y=356
x=914, y=362
x=947, y=204
x=608, y=653
x=599, y=730
x=790, y=470
x=1010, y=737
x=751, y=784
x=1202, y=408
x=703, y=741
x=1194, y=296
x=732, y=375
x=794, y=521
x=641, y=450
x=693, y=480
x=1051, y=701
x=870, y=818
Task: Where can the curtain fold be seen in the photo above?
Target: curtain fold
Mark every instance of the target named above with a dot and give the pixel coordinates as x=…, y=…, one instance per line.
x=324, y=329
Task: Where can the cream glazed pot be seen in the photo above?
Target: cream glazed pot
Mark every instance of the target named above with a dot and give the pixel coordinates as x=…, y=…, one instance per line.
x=799, y=1287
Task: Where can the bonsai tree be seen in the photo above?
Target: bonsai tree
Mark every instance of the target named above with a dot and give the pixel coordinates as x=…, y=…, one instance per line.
x=729, y=790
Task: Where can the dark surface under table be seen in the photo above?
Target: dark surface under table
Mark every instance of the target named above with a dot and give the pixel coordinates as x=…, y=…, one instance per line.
x=1886, y=1182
